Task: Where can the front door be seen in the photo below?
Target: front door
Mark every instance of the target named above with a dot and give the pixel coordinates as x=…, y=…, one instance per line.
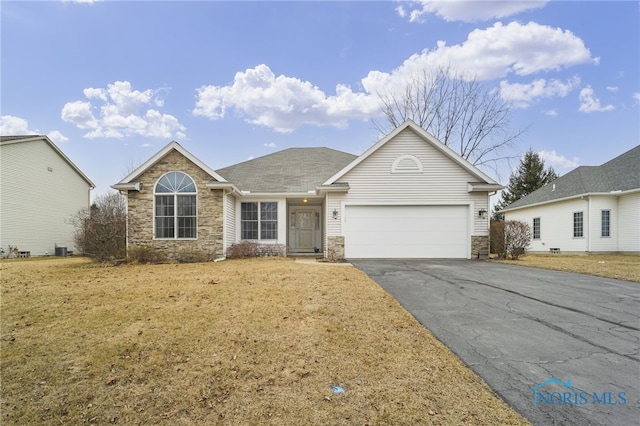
x=305, y=229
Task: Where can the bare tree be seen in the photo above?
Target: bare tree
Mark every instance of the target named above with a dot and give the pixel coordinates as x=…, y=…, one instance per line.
x=470, y=118
x=101, y=229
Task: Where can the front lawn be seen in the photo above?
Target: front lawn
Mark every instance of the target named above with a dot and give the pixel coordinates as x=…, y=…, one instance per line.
x=617, y=266
x=237, y=342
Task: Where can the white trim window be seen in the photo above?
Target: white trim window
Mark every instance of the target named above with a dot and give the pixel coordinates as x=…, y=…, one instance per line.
x=605, y=223
x=536, y=228
x=175, y=211
x=259, y=220
x=578, y=224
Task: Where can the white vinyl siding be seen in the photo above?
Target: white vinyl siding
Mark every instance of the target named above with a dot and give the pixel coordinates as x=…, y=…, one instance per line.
x=39, y=192
x=624, y=227
x=230, y=220
x=628, y=227
x=597, y=242
x=441, y=182
x=557, y=219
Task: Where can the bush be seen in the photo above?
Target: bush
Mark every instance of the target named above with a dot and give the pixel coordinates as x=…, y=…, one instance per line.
x=496, y=239
x=146, y=255
x=254, y=249
x=101, y=229
x=194, y=256
x=243, y=249
x=509, y=238
x=517, y=237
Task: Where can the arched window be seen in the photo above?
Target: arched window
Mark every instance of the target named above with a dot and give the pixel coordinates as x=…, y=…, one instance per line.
x=175, y=211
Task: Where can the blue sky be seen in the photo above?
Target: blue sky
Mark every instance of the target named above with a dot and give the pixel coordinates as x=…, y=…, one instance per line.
x=112, y=82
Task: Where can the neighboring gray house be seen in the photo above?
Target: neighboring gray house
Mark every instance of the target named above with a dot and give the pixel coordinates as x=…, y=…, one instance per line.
x=408, y=196
x=40, y=188
x=590, y=209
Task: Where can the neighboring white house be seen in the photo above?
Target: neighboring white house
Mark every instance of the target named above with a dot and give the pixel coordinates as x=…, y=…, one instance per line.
x=40, y=188
x=408, y=196
x=590, y=209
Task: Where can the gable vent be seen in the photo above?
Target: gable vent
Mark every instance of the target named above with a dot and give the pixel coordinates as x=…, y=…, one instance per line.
x=406, y=164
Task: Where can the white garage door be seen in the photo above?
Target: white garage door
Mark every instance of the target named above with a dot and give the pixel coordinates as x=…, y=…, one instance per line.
x=406, y=232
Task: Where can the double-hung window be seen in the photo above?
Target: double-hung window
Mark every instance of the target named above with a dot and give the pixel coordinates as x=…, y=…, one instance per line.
x=259, y=220
x=536, y=228
x=578, y=226
x=606, y=223
x=175, y=211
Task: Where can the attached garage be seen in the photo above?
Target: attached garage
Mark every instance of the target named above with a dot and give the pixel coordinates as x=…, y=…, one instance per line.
x=386, y=231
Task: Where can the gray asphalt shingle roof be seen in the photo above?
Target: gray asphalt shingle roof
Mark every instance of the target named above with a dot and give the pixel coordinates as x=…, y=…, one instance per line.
x=619, y=174
x=17, y=137
x=290, y=170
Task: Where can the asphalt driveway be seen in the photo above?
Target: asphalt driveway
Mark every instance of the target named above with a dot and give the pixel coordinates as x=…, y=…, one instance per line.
x=520, y=327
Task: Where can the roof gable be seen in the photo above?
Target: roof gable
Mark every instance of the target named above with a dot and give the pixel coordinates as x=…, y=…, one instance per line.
x=10, y=140
x=427, y=138
x=291, y=170
x=619, y=174
x=171, y=146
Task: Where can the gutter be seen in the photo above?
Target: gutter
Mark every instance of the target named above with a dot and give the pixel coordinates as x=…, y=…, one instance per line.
x=617, y=193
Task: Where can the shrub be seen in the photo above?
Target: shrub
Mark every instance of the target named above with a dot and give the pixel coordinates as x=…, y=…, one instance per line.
x=100, y=230
x=146, y=254
x=193, y=256
x=243, y=249
x=517, y=237
x=496, y=239
x=509, y=238
x=254, y=249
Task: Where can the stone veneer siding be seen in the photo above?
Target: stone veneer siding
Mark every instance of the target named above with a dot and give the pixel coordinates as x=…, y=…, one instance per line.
x=335, y=248
x=210, y=211
x=479, y=247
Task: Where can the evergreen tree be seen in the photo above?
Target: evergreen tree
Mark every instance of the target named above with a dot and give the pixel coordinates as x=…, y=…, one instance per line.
x=530, y=176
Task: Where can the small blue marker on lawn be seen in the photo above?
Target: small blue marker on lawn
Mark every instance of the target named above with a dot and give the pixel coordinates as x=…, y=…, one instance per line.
x=337, y=389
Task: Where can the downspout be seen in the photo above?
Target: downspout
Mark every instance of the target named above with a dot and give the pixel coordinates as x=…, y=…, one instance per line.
x=126, y=223
x=224, y=227
x=588, y=227
x=224, y=222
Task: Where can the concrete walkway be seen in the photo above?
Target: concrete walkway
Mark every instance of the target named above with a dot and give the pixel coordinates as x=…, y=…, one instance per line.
x=560, y=348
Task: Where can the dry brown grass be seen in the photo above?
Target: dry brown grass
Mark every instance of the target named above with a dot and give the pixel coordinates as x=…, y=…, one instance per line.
x=237, y=342
x=617, y=266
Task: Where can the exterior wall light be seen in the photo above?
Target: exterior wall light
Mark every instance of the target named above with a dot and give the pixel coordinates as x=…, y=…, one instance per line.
x=334, y=213
x=482, y=213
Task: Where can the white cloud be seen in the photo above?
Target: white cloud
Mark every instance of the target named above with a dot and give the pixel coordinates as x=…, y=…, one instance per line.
x=14, y=126
x=590, y=103
x=270, y=145
x=613, y=89
x=57, y=136
x=522, y=95
x=123, y=112
x=551, y=112
x=557, y=161
x=493, y=53
x=466, y=11
x=636, y=96
x=282, y=103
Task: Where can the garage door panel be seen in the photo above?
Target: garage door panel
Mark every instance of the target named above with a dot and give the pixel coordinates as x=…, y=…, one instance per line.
x=406, y=231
